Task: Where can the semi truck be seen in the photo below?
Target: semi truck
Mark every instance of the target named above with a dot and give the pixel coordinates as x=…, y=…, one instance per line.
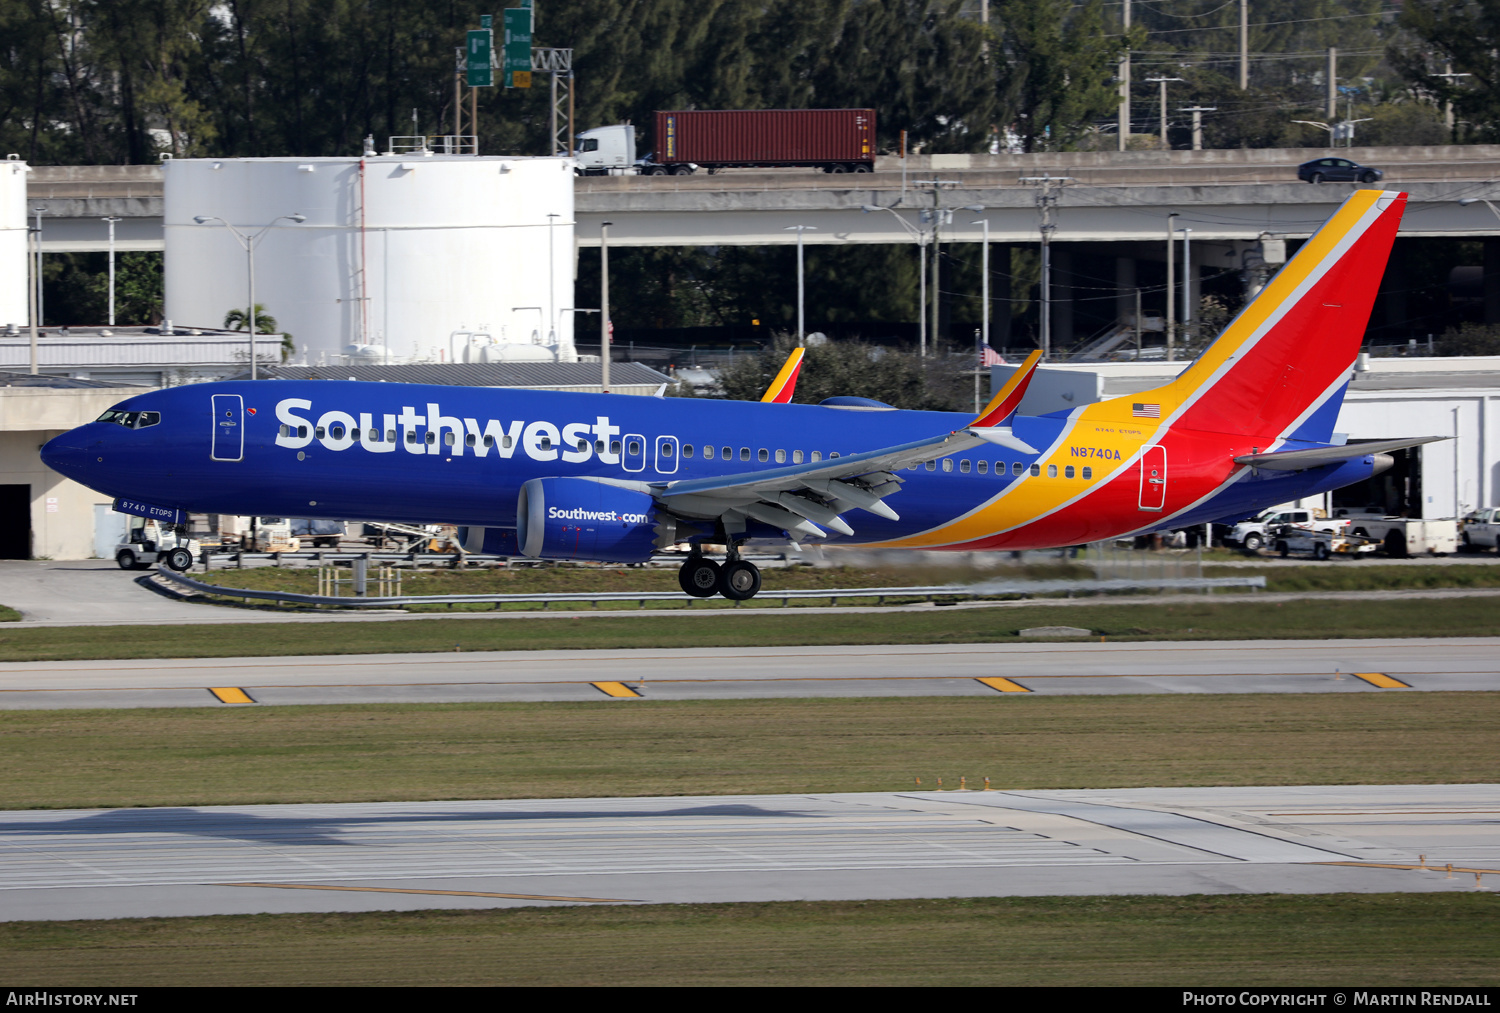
x=834, y=140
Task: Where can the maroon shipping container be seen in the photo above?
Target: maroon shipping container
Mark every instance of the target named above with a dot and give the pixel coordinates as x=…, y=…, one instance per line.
x=836, y=140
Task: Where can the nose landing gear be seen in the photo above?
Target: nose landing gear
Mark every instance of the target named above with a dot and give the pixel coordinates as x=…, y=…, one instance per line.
x=737, y=579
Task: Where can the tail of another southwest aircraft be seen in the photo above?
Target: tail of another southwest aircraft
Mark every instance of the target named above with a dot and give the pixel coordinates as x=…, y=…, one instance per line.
x=1280, y=368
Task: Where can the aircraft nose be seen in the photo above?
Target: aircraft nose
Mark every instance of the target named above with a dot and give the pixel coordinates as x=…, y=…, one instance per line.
x=69, y=455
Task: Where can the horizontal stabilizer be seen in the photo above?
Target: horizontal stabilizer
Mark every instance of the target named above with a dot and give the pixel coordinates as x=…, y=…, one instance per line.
x=1001, y=436
x=1008, y=398
x=1301, y=460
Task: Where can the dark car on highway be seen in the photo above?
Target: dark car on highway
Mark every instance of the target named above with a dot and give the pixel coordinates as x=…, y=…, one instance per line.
x=1337, y=170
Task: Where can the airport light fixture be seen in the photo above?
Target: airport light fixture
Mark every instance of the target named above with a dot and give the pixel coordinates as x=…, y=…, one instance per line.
x=247, y=243
x=920, y=235
x=606, y=329
x=112, y=221
x=801, y=283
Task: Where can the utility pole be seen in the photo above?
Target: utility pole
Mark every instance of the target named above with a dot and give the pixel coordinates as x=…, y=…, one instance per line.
x=1163, y=81
x=1198, y=112
x=1124, y=129
x=1171, y=324
x=1450, y=77
x=1046, y=203
x=1244, y=44
x=1187, y=285
x=41, y=307
x=1333, y=87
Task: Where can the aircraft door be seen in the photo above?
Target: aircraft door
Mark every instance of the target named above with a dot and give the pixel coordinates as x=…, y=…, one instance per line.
x=1154, y=479
x=667, y=452
x=229, y=428
x=634, y=457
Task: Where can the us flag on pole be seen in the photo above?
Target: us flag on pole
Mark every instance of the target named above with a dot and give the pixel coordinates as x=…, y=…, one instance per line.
x=988, y=356
x=1145, y=411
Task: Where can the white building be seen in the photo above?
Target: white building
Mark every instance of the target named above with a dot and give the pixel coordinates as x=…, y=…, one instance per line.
x=404, y=257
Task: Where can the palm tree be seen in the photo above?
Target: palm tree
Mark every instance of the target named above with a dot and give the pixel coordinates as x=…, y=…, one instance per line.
x=239, y=320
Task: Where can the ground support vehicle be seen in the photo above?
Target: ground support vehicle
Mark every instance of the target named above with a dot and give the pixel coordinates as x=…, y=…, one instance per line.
x=1481, y=530
x=1252, y=535
x=834, y=140
x=322, y=534
x=258, y=534
x=1323, y=542
x=1405, y=536
x=147, y=543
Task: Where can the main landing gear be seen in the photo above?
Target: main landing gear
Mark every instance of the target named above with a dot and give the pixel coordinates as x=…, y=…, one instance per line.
x=737, y=579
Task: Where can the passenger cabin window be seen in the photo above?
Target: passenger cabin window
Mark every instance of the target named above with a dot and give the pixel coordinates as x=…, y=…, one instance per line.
x=984, y=468
x=489, y=441
x=431, y=436
x=469, y=440
x=390, y=434
x=763, y=455
x=964, y=466
x=781, y=457
x=1017, y=468
x=1088, y=472
x=614, y=445
x=319, y=433
x=1051, y=471
x=947, y=464
x=687, y=450
x=932, y=466
x=708, y=453
x=744, y=453
x=1068, y=471
x=451, y=438
x=1036, y=470
x=817, y=456
x=796, y=457
x=635, y=448
x=727, y=453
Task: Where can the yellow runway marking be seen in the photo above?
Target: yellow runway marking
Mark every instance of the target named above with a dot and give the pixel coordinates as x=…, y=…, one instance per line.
x=436, y=893
x=230, y=694
x=615, y=689
x=1003, y=685
x=1382, y=680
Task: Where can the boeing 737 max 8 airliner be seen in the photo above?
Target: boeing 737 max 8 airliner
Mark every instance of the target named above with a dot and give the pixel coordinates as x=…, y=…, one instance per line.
x=551, y=475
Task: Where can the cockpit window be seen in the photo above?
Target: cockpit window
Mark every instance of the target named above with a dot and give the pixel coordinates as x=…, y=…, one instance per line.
x=130, y=420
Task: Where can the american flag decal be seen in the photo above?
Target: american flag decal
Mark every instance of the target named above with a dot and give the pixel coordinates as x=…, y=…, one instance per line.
x=1145, y=411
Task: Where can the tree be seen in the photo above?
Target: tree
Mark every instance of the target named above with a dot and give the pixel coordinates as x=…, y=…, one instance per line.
x=239, y=320
x=1466, y=34
x=898, y=378
x=1058, y=75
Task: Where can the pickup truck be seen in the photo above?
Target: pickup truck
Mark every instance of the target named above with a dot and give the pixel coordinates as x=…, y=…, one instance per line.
x=1404, y=536
x=1481, y=530
x=1252, y=535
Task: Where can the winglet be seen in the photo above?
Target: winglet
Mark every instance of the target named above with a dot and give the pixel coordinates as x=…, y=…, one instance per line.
x=1005, y=402
x=785, y=384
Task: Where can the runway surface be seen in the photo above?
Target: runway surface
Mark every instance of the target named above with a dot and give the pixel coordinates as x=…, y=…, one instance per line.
x=404, y=856
x=1259, y=666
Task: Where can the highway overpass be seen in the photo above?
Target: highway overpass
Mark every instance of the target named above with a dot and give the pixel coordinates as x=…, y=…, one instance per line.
x=1107, y=197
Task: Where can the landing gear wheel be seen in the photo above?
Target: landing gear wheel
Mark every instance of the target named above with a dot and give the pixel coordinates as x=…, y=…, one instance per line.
x=1253, y=542
x=699, y=577
x=739, y=580
x=127, y=560
x=179, y=559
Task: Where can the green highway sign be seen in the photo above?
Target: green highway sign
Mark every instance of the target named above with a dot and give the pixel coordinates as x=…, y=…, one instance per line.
x=518, y=47
x=477, y=58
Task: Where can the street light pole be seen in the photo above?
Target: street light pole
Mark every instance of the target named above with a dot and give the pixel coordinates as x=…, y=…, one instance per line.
x=41, y=308
x=801, y=288
x=606, y=329
x=247, y=243
x=1171, y=285
x=1187, y=284
x=112, y=222
x=920, y=235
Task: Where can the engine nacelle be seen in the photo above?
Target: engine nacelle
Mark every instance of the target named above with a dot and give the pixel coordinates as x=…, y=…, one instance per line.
x=489, y=541
x=578, y=518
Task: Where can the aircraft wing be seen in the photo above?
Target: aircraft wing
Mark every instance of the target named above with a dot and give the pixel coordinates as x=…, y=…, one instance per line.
x=799, y=497
x=1301, y=460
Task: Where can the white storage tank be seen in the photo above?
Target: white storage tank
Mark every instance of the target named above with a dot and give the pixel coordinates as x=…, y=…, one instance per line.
x=398, y=253
x=14, y=308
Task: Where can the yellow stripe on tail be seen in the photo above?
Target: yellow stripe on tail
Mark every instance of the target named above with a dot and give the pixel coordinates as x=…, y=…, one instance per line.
x=785, y=384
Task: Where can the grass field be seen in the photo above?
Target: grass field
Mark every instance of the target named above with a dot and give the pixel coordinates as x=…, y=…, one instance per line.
x=189, y=756
x=1340, y=575
x=1364, y=940
x=1174, y=618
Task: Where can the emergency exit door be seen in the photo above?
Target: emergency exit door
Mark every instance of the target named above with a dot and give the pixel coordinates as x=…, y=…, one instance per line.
x=229, y=428
x=1154, y=479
